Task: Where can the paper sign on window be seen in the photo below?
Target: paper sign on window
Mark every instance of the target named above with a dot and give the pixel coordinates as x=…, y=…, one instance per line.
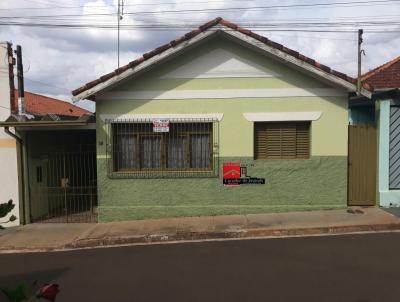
x=161, y=126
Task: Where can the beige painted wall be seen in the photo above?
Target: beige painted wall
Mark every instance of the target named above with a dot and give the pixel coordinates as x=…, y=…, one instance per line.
x=8, y=154
x=329, y=133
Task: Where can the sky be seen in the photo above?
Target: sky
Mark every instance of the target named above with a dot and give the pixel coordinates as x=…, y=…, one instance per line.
x=60, y=59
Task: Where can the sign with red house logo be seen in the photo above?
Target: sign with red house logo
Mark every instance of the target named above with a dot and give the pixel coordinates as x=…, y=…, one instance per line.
x=235, y=174
x=231, y=171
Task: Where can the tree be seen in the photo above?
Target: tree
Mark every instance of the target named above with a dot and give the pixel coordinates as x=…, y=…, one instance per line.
x=5, y=209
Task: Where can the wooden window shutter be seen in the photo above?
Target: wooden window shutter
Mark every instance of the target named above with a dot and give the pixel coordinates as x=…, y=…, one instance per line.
x=303, y=140
x=281, y=140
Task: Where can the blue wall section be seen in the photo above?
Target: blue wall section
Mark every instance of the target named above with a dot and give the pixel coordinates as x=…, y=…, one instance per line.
x=362, y=116
x=386, y=196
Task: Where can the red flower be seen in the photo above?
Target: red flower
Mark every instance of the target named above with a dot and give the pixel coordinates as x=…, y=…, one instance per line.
x=48, y=291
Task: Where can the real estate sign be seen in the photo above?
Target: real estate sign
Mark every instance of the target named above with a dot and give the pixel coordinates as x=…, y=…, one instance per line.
x=161, y=126
x=235, y=174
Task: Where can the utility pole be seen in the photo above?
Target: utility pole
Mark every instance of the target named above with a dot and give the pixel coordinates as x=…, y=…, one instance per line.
x=20, y=76
x=359, y=52
x=11, y=63
x=120, y=16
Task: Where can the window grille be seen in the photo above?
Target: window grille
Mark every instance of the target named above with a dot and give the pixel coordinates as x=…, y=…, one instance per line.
x=187, y=148
x=282, y=140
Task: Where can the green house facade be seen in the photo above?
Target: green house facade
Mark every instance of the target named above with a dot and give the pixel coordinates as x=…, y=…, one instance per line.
x=170, y=125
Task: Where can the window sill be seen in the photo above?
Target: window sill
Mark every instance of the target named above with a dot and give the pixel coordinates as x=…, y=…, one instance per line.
x=282, y=159
x=165, y=174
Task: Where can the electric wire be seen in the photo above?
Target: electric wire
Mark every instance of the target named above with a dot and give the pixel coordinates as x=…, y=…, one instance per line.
x=208, y=10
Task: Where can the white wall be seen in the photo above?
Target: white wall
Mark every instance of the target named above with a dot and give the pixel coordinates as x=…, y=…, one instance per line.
x=8, y=153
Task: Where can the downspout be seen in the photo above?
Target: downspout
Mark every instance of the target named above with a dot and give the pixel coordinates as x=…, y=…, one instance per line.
x=21, y=170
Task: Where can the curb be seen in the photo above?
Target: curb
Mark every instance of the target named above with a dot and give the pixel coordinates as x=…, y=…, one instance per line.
x=186, y=237
x=248, y=233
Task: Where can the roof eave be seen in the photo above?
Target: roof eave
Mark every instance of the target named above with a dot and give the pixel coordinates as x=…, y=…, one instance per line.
x=47, y=123
x=146, y=64
x=299, y=63
x=285, y=57
x=385, y=89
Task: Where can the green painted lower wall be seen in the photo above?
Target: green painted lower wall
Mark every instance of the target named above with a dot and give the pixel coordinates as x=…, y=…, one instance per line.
x=317, y=183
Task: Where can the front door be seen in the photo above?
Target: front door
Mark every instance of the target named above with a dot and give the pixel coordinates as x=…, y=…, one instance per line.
x=362, y=163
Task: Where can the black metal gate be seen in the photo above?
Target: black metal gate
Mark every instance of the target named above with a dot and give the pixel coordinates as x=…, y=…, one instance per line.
x=64, y=187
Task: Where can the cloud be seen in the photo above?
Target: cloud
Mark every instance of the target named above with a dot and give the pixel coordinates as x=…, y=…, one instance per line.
x=58, y=60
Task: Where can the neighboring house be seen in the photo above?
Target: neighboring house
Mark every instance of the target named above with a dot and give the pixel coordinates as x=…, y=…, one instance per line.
x=41, y=105
x=18, y=157
x=49, y=147
x=384, y=82
x=222, y=94
x=8, y=151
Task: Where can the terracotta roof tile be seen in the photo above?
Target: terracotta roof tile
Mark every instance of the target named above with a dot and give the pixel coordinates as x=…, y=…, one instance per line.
x=209, y=24
x=243, y=30
x=79, y=90
x=323, y=67
x=192, y=34
x=385, y=76
x=291, y=52
x=228, y=24
x=205, y=27
x=178, y=40
x=339, y=74
x=107, y=76
x=121, y=69
x=37, y=104
x=156, y=51
x=135, y=62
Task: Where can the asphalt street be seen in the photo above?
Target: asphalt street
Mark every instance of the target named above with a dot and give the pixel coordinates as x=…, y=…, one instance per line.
x=357, y=268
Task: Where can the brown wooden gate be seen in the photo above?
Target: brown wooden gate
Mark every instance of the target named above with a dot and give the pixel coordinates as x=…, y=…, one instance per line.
x=362, y=163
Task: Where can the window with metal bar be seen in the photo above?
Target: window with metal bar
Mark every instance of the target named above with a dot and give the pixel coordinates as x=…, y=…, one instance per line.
x=185, y=147
x=281, y=140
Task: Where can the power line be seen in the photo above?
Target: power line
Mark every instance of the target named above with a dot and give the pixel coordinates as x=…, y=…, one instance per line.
x=313, y=37
x=36, y=1
x=127, y=5
x=333, y=27
x=273, y=23
x=321, y=5
x=42, y=83
x=208, y=10
x=39, y=82
x=352, y=18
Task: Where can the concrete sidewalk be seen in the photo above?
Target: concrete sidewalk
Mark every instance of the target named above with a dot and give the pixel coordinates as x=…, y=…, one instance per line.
x=45, y=237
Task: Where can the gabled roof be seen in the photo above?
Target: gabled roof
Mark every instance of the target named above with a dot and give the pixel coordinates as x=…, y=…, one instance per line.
x=40, y=105
x=231, y=30
x=386, y=76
